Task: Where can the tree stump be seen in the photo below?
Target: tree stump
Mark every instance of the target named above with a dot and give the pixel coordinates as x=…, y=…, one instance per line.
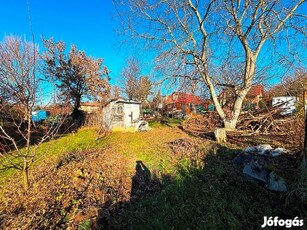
x=220, y=135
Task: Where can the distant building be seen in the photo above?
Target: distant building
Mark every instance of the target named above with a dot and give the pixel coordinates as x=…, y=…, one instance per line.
x=89, y=107
x=181, y=103
x=254, y=96
x=252, y=100
x=121, y=114
x=286, y=103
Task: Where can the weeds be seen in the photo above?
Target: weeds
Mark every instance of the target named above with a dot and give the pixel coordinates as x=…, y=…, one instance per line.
x=297, y=196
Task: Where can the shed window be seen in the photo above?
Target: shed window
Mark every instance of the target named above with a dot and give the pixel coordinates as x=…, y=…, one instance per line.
x=120, y=109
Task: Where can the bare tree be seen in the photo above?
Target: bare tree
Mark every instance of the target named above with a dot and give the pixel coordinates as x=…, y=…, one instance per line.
x=144, y=90
x=202, y=40
x=136, y=86
x=116, y=92
x=130, y=76
x=18, y=84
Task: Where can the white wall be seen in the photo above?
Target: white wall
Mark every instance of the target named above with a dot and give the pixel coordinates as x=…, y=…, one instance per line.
x=129, y=109
x=289, y=105
x=110, y=112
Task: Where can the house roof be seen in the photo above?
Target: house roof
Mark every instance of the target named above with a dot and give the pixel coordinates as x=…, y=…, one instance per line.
x=90, y=104
x=186, y=98
x=255, y=90
x=125, y=101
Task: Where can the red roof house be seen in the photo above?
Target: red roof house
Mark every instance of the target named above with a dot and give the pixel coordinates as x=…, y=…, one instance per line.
x=179, y=102
x=253, y=97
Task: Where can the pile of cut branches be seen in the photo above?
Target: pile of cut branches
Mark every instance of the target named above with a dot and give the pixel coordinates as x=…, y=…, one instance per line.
x=198, y=122
x=268, y=121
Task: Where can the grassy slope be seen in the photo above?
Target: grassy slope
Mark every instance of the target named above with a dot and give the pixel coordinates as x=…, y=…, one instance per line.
x=140, y=146
x=205, y=193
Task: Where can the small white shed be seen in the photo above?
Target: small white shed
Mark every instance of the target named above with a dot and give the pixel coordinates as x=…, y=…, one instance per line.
x=121, y=114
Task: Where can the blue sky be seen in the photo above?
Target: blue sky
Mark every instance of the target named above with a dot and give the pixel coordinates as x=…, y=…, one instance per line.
x=89, y=25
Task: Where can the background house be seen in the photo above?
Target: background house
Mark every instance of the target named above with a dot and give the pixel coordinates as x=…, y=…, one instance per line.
x=89, y=107
x=121, y=114
x=181, y=103
x=252, y=100
x=254, y=97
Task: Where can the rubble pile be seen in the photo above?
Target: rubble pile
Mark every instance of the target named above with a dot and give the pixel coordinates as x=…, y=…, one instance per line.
x=259, y=165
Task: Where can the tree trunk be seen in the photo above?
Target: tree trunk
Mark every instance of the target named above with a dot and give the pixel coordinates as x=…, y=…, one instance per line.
x=25, y=169
x=77, y=103
x=220, y=135
x=25, y=175
x=230, y=124
x=236, y=110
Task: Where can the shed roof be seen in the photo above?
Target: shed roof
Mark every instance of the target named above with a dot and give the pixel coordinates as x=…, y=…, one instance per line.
x=125, y=101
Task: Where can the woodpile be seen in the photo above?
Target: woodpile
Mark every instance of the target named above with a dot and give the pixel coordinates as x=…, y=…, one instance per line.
x=267, y=121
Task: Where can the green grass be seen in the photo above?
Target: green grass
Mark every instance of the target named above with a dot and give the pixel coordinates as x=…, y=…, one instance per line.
x=149, y=147
x=165, y=122
x=199, y=191
x=51, y=150
x=210, y=197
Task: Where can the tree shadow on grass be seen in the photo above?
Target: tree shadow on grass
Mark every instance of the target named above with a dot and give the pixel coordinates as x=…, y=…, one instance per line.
x=206, y=193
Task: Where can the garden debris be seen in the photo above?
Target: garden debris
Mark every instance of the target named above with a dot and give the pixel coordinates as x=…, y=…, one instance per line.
x=276, y=184
x=269, y=120
x=278, y=151
x=250, y=149
x=198, y=122
x=258, y=165
x=181, y=146
x=262, y=149
x=255, y=171
x=142, y=126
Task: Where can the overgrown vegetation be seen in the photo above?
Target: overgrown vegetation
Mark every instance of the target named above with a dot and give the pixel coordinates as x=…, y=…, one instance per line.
x=163, y=179
x=211, y=195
